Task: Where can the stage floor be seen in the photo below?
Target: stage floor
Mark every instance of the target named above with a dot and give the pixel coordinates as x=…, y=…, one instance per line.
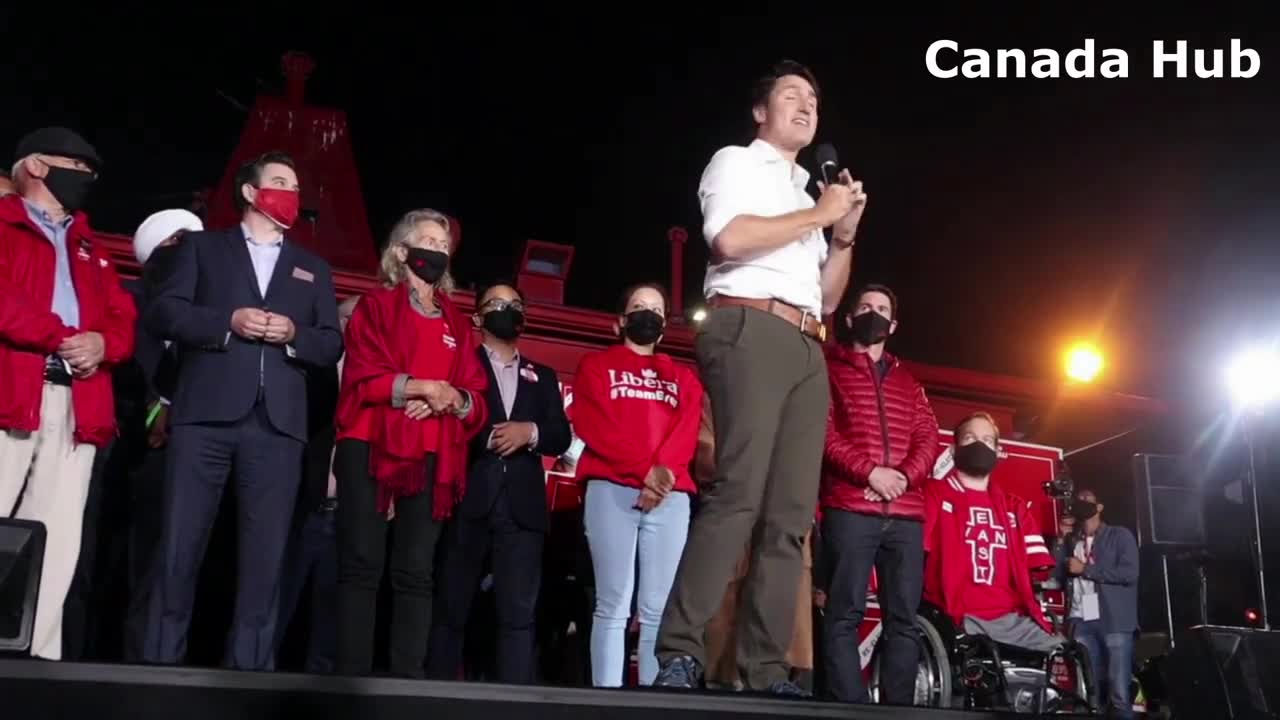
x=36, y=689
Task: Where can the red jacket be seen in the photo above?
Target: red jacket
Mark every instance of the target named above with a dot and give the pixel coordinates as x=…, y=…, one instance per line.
x=949, y=562
x=633, y=412
x=380, y=345
x=875, y=422
x=30, y=331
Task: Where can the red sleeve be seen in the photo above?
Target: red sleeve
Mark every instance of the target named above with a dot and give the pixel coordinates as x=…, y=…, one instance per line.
x=604, y=434
x=1038, y=555
x=120, y=319
x=676, y=452
x=842, y=458
x=918, y=463
x=22, y=325
x=932, y=506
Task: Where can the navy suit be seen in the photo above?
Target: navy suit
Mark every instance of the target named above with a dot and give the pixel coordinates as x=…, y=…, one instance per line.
x=239, y=410
x=504, y=511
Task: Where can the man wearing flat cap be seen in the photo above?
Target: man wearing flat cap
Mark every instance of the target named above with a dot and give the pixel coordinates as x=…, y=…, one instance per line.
x=65, y=321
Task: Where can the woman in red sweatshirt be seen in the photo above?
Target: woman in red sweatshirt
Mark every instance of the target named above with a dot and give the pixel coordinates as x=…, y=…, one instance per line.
x=412, y=397
x=637, y=411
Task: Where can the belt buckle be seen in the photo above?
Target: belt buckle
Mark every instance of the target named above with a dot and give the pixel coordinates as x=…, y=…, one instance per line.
x=822, y=328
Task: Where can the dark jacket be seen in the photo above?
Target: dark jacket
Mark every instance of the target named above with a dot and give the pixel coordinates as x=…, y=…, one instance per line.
x=317, y=460
x=875, y=420
x=144, y=378
x=522, y=473
x=152, y=372
x=1114, y=569
x=220, y=372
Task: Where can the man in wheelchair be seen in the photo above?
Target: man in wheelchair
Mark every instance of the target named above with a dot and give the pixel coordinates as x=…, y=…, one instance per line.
x=982, y=545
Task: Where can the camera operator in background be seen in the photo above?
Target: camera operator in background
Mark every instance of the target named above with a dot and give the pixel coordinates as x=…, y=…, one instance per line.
x=1098, y=566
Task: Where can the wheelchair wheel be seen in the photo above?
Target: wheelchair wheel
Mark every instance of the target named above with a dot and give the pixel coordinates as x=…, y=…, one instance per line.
x=933, y=675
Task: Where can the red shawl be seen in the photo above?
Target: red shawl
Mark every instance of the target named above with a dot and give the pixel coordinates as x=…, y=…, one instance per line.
x=381, y=342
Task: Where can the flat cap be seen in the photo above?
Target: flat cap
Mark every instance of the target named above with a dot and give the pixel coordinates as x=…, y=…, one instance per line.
x=58, y=141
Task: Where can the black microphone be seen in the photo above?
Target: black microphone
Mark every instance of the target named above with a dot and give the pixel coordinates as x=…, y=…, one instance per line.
x=828, y=163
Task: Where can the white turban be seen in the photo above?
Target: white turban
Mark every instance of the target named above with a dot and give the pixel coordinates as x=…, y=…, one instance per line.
x=160, y=227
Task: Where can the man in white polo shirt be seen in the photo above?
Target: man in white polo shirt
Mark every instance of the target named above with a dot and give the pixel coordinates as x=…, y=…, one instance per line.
x=773, y=276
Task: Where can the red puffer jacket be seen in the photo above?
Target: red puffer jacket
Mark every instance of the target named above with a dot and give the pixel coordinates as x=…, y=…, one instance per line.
x=30, y=331
x=875, y=422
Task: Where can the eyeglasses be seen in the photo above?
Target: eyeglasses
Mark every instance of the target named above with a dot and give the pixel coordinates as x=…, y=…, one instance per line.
x=498, y=304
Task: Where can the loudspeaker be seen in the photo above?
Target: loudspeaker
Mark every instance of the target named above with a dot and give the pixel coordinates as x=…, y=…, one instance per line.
x=1223, y=672
x=21, y=561
x=1169, y=502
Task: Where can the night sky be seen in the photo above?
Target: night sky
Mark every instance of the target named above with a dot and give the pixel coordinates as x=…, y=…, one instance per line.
x=1011, y=215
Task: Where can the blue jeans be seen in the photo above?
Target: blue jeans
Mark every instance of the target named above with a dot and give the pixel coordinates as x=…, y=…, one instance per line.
x=1111, y=660
x=614, y=530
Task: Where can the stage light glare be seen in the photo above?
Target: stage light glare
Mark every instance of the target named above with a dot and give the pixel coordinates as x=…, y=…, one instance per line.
x=1253, y=377
x=1084, y=363
x=699, y=315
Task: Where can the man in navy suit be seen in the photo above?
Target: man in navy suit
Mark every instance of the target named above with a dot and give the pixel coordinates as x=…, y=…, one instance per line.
x=253, y=314
x=504, y=511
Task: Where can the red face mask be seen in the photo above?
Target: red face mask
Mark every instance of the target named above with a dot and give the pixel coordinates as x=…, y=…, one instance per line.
x=279, y=205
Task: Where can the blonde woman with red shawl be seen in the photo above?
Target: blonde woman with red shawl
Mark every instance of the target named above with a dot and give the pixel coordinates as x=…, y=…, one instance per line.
x=412, y=397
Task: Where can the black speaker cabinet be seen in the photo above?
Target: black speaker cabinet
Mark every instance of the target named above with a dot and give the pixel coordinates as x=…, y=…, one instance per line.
x=1169, y=502
x=21, y=561
x=1224, y=672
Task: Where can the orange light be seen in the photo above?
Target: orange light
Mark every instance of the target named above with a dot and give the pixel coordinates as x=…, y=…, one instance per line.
x=1084, y=362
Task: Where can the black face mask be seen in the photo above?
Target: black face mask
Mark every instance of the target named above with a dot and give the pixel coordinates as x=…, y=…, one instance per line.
x=1083, y=510
x=158, y=265
x=976, y=459
x=870, y=328
x=644, y=327
x=504, y=324
x=427, y=264
x=69, y=187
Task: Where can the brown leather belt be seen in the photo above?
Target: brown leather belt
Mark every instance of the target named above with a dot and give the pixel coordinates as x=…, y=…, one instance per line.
x=808, y=323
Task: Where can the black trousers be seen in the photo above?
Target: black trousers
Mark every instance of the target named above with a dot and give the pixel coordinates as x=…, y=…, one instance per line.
x=313, y=564
x=266, y=467
x=852, y=543
x=517, y=575
x=362, y=550
x=146, y=503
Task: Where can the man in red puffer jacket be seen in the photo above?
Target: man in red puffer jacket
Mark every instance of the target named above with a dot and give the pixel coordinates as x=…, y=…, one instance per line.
x=65, y=321
x=882, y=440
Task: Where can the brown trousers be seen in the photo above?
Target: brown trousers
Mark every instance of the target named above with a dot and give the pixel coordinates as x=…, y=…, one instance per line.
x=767, y=387
x=722, y=631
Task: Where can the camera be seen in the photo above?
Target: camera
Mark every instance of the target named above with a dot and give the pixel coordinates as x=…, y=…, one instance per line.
x=1061, y=487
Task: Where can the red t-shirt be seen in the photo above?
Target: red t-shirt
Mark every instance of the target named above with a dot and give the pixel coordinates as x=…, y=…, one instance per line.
x=433, y=361
x=990, y=593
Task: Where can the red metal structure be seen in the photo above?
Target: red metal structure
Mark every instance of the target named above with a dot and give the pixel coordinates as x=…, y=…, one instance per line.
x=335, y=226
